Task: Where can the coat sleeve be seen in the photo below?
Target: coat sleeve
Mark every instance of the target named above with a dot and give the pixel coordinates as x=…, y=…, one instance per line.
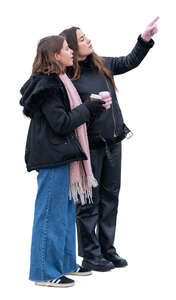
x=123, y=64
x=62, y=122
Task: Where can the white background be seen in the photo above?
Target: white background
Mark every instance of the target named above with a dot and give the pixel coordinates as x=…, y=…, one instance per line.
x=146, y=219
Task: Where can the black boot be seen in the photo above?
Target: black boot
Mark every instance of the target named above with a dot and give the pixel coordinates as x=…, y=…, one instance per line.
x=99, y=264
x=118, y=261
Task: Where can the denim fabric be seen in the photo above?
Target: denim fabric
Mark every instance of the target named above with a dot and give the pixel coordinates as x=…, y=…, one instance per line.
x=53, y=248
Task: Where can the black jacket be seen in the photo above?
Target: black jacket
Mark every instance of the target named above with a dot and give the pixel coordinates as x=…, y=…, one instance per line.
x=51, y=140
x=109, y=125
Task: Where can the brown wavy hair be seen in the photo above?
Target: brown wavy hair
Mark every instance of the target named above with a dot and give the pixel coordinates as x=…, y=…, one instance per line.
x=95, y=60
x=44, y=61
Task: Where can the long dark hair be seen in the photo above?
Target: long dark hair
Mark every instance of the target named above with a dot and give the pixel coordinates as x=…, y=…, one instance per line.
x=95, y=60
x=44, y=61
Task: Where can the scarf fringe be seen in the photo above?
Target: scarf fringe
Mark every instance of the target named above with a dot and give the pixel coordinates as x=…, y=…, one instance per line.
x=78, y=192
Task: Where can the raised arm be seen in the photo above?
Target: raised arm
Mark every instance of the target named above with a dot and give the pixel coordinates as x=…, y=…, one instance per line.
x=123, y=64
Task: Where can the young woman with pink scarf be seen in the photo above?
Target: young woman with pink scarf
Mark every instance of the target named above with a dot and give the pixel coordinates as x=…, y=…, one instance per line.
x=57, y=148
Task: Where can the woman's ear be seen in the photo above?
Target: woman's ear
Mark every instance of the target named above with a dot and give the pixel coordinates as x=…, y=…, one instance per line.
x=56, y=56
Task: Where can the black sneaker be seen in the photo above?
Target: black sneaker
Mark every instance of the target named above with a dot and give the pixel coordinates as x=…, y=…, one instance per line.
x=58, y=282
x=81, y=272
x=99, y=264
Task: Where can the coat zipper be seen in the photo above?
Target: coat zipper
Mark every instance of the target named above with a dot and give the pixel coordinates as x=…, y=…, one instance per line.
x=115, y=127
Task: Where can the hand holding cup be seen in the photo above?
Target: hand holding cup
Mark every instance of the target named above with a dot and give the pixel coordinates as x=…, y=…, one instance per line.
x=106, y=97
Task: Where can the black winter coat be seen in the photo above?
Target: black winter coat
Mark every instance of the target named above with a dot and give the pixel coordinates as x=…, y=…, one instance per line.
x=108, y=126
x=51, y=140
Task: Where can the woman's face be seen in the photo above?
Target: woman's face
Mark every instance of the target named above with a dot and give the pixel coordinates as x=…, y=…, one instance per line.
x=84, y=45
x=65, y=56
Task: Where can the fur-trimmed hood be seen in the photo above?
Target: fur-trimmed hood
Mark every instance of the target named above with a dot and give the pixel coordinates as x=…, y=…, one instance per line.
x=34, y=89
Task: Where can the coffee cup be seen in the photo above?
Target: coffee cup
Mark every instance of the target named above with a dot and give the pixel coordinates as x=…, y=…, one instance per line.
x=94, y=97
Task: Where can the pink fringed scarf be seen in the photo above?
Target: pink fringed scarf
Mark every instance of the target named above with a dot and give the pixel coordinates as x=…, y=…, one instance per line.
x=80, y=183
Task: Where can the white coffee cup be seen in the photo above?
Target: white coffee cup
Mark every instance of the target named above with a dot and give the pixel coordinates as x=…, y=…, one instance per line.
x=95, y=97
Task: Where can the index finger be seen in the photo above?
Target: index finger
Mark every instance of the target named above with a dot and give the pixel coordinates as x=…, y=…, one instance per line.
x=153, y=22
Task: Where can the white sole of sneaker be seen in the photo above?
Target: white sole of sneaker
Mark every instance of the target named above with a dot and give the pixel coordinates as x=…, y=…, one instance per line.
x=52, y=284
x=81, y=274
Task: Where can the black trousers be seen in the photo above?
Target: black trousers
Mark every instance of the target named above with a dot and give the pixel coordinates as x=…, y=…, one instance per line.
x=96, y=222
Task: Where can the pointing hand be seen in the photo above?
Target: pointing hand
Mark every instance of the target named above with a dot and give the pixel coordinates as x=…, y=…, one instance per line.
x=151, y=29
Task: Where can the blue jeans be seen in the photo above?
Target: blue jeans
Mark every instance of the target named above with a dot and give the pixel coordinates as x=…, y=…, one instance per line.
x=53, y=248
